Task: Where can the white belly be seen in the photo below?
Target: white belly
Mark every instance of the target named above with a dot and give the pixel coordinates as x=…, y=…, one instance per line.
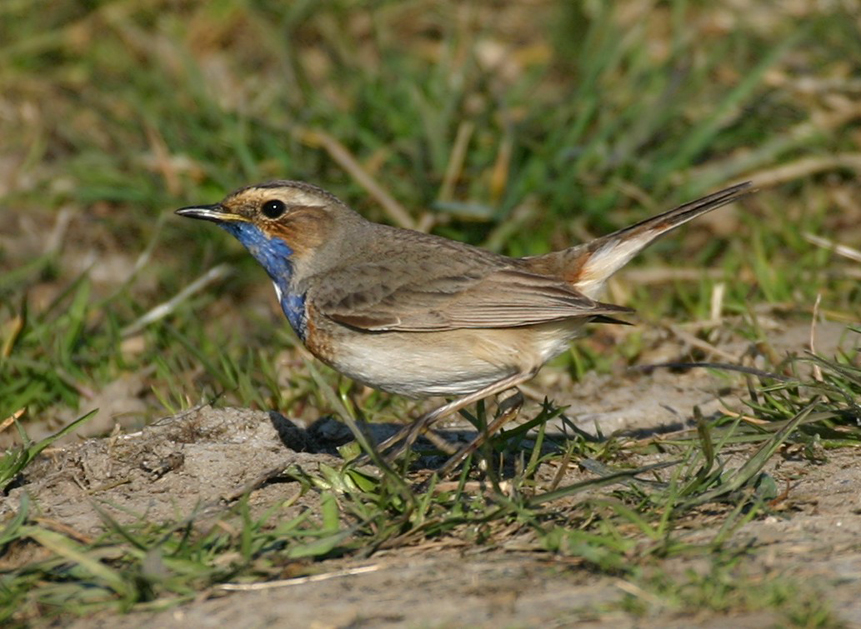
x=451, y=363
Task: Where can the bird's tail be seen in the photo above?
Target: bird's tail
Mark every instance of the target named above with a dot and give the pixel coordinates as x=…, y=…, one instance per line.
x=587, y=267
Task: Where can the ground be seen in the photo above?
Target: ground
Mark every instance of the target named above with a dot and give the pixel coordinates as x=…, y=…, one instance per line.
x=201, y=461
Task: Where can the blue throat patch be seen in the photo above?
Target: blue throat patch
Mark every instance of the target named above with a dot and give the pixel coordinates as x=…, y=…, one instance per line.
x=274, y=255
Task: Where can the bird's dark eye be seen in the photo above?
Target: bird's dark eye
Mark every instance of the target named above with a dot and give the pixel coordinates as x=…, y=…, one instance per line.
x=273, y=209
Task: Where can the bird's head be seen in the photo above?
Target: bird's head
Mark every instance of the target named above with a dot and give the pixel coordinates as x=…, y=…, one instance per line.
x=281, y=223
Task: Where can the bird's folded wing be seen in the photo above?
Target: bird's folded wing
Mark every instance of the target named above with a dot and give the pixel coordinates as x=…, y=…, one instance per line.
x=499, y=298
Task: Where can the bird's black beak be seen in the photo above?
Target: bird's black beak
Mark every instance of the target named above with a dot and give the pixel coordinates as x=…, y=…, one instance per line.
x=215, y=213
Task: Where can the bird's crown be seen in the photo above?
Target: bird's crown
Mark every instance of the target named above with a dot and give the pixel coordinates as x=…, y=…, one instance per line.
x=273, y=201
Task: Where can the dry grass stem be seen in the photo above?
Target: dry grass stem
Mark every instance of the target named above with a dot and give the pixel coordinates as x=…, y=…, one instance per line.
x=338, y=152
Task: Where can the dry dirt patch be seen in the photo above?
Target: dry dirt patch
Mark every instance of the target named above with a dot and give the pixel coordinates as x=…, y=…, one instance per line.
x=816, y=541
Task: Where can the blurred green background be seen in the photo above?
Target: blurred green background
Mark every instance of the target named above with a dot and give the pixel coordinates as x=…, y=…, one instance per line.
x=519, y=126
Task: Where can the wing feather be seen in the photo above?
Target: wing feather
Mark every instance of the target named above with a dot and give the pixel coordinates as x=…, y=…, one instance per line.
x=477, y=298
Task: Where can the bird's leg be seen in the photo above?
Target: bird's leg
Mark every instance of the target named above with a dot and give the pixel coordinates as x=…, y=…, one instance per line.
x=508, y=410
x=440, y=442
x=407, y=436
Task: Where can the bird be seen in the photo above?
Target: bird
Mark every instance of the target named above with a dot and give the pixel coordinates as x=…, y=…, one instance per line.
x=420, y=315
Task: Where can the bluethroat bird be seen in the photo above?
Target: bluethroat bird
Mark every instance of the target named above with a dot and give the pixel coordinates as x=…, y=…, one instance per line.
x=420, y=315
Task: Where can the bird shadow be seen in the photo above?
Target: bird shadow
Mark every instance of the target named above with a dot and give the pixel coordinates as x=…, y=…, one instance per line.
x=327, y=434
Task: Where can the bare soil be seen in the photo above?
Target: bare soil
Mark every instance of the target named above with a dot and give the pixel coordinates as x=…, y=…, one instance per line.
x=199, y=462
